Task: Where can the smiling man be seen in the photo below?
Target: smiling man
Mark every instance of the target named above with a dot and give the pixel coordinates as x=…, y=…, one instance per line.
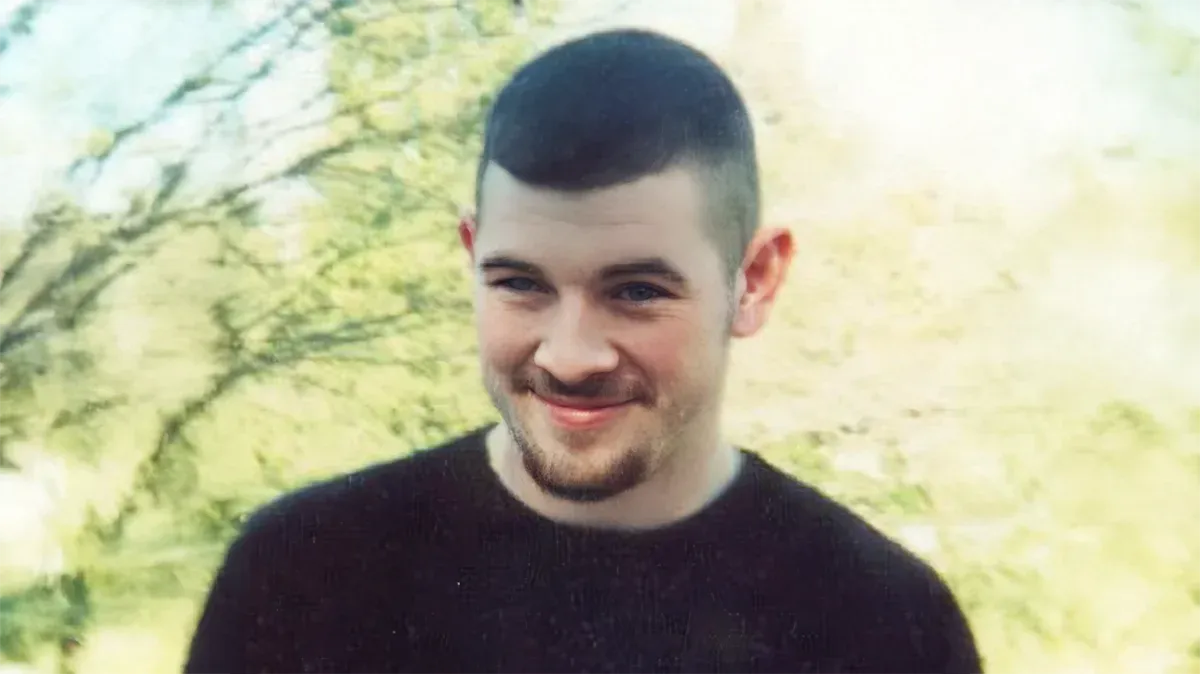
x=603, y=524
x=604, y=312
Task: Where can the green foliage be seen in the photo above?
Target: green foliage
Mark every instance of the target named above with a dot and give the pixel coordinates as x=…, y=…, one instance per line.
x=186, y=373
x=44, y=617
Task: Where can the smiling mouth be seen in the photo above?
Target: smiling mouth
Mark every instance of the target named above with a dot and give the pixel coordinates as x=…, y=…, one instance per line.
x=583, y=415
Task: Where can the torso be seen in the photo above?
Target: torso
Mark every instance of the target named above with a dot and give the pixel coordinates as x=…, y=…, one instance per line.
x=421, y=579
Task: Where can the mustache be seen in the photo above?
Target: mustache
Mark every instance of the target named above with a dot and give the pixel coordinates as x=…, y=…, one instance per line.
x=601, y=387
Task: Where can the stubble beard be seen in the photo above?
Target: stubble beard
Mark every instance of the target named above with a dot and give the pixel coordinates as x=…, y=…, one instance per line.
x=561, y=477
x=629, y=469
x=636, y=462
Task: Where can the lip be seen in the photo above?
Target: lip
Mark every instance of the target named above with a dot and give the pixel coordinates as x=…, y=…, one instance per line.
x=579, y=417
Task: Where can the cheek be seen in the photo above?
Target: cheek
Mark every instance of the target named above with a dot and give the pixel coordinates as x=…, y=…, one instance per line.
x=504, y=339
x=673, y=353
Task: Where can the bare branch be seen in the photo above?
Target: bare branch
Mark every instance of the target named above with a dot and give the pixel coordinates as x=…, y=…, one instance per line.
x=91, y=260
x=46, y=230
x=308, y=346
x=86, y=411
x=205, y=77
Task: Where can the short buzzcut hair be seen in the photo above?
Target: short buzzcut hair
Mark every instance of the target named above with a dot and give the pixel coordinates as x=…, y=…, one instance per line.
x=616, y=106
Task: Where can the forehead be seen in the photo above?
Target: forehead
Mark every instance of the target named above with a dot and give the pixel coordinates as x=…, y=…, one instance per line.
x=661, y=215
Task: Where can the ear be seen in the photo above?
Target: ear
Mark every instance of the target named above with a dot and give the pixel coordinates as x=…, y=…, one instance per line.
x=466, y=234
x=764, y=269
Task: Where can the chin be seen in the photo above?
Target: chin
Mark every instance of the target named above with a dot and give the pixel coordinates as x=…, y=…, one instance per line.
x=584, y=486
x=581, y=466
x=580, y=491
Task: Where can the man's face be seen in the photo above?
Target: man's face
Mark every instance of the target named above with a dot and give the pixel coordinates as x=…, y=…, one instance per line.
x=603, y=324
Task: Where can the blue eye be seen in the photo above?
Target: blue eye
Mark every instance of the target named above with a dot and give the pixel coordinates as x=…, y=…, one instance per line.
x=518, y=284
x=641, y=293
x=637, y=293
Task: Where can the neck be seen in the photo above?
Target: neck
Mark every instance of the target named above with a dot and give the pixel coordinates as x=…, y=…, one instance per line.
x=688, y=480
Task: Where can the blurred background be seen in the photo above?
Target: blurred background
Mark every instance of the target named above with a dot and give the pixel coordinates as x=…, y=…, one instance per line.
x=230, y=267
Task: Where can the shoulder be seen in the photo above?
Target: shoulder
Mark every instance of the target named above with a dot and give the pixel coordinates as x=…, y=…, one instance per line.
x=359, y=507
x=866, y=577
x=817, y=526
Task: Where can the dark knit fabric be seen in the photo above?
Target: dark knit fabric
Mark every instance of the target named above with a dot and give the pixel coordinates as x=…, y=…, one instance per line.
x=427, y=564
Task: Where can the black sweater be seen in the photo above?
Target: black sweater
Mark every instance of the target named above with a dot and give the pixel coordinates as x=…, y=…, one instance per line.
x=427, y=564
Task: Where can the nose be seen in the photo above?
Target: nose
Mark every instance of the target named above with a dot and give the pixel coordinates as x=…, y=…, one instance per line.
x=574, y=347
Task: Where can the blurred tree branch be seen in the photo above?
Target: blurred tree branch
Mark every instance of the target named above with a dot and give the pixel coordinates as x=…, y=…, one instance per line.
x=378, y=158
x=21, y=23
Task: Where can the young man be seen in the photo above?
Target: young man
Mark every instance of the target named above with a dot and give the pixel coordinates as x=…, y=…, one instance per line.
x=602, y=524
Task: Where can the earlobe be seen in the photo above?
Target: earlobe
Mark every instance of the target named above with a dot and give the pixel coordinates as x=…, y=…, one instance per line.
x=747, y=319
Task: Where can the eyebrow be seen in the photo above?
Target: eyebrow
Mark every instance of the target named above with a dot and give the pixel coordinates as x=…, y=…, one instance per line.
x=647, y=266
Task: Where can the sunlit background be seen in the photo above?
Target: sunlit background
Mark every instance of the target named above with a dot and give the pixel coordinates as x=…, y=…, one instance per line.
x=230, y=268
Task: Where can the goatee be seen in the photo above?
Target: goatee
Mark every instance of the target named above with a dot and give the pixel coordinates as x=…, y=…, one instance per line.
x=630, y=471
